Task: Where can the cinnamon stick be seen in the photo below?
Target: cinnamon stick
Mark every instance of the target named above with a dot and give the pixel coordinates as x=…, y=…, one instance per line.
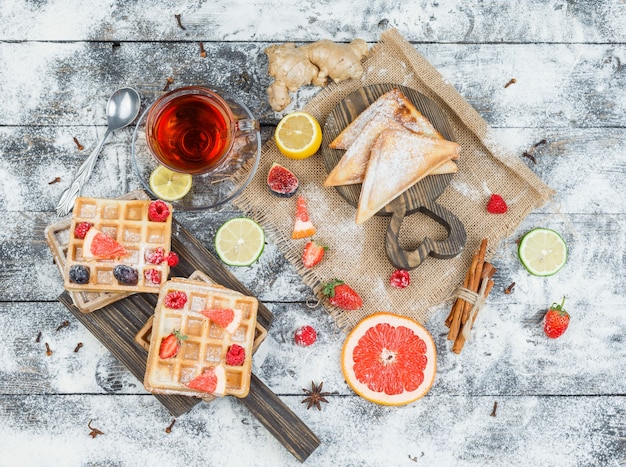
x=476, y=278
x=460, y=340
x=457, y=311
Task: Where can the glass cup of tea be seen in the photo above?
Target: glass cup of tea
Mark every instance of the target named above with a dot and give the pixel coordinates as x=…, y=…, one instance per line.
x=192, y=130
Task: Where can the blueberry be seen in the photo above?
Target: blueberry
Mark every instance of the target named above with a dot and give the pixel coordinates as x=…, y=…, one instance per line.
x=125, y=274
x=79, y=274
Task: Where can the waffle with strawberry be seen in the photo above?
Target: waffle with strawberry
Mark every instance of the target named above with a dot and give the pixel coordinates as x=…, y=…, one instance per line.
x=117, y=245
x=202, y=345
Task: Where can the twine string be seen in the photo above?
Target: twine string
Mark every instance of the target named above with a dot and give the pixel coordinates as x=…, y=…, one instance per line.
x=477, y=300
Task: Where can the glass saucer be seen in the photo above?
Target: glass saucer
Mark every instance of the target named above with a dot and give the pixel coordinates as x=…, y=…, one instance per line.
x=212, y=189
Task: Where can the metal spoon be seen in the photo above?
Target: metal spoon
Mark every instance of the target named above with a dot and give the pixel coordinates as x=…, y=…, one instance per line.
x=122, y=109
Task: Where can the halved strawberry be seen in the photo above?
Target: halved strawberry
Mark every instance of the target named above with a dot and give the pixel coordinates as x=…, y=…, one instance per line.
x=228, y=319
x=313, y=254
x=303, y=227
x=212, y=381
x=99, y=245
x=170, y=345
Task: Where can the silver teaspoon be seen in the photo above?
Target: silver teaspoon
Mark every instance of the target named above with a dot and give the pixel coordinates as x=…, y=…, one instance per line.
x=122, y=109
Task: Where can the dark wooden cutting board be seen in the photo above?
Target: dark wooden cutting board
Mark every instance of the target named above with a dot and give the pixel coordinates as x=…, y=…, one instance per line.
x=117, y=324
x=420, y=197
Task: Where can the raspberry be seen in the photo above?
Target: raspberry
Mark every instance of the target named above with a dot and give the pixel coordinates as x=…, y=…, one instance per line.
x=305, y=336
x=153, y=276
x=496, y=205
x=236, y=355
x=175, y=300
x=400, y=279
x=81, y=229
x=172, y=259
x=158, y=211
x=155, y=256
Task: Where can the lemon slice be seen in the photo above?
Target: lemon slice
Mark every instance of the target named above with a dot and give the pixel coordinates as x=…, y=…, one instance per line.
x=543, y=252
x=239, y=241
x=169, y=185
x=298, y=135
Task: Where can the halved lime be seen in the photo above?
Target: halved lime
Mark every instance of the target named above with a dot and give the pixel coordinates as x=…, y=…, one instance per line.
x=239, y=241
x=543, y=252
x=169, y=185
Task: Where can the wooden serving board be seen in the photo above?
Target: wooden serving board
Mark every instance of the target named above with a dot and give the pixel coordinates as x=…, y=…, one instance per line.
x=420, y=197
x=116, y=325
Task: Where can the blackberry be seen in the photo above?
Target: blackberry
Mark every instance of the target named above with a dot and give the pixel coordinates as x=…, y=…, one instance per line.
x=125, y=274
x=79, y=274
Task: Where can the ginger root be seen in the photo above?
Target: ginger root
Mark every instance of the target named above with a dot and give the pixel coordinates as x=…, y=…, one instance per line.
x=293, y=67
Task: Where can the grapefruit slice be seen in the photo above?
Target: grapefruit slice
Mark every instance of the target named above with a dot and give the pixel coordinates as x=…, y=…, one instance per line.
x=212, y=381
x=303, y=227
x=389, y=359
x=99, y=245
x=228, y=319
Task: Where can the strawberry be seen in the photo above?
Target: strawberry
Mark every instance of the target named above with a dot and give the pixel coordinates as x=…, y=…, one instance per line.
x=313, y=254
x=303, y=227
x=342, y=295
x=305, y=336
x=497, y=205
x=170, y=345
x=556, y=320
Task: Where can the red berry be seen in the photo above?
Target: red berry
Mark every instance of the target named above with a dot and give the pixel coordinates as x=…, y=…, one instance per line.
x=158, y=211
x=153, y=276
x=556, y=320
x=497, y=205
x=313, y=254
x=400, y=279
x=170, y=345
x=236, y=355
x=342, y=295
x=172, y=259
x=305, y=336
x=155, y=256
x=175, y=300
x=81, y=229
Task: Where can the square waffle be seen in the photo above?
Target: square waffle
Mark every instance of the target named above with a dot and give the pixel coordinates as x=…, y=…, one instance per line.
x=206, y=343
x=126, y=221
x=57, y=237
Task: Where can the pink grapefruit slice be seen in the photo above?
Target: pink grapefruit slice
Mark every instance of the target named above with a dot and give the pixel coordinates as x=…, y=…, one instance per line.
x=389, y=359
x=228, y=319
x=98, y=245
x=211, y=381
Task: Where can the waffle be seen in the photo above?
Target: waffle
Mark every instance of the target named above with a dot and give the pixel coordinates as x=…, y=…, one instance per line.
x=57, y=236
x=127, y=222
x=206, y=343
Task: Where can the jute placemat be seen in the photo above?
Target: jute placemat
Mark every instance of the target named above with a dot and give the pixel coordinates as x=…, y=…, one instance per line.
x=356, y=254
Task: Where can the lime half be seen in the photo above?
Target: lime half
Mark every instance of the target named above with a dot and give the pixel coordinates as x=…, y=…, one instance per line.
x=169, y=185
x=543, y=252
x=239, y=241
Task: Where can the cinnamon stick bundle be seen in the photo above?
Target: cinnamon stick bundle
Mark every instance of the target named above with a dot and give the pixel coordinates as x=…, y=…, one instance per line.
x=477, y=279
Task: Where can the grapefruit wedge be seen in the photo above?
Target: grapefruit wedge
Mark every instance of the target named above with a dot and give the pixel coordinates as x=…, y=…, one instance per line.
x=99, y=245
x=228, y=319
x=212, y=381
x=389, y=359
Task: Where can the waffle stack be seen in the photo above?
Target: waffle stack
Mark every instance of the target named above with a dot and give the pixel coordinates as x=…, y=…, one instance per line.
x=127, y=223
x=205, y=346
x=57, y=237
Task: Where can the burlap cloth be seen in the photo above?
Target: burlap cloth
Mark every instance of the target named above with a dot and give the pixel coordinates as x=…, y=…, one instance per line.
x=356, y=254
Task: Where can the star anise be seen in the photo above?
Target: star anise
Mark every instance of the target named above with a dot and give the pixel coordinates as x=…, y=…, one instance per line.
x=315, y=396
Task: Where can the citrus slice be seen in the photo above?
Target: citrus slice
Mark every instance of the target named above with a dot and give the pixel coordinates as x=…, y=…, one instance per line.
x=298, y=135
x=543, y=252
x=169, y=185
x=99, y=245
x=389, y=359
x=212, y=381
x=228, y=319
x=239, y=241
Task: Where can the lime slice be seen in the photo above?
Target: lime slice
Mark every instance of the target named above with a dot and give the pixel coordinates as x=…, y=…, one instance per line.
x=169, y=185
x=239, y=241
x=543, y=252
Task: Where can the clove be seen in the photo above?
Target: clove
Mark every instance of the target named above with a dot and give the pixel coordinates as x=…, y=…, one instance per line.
x=180, y=24
x=78, y=145
x=170, y=426
x=94, y=431
x=48, y=350
x=78, y=347
x=509, y=289
x=202, y=51
x=495, y=406
x=64, y=324
x=511, y=81
x=168, y=83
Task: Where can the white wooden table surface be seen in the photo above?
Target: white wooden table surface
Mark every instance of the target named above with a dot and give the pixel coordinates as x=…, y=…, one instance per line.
x=560, y=402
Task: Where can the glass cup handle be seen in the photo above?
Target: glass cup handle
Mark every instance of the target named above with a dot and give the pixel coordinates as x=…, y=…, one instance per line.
x=245, y=126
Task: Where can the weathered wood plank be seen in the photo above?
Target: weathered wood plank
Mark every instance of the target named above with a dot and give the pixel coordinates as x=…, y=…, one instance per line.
x=457, y=430
x=559, y=85
x=262, y=20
